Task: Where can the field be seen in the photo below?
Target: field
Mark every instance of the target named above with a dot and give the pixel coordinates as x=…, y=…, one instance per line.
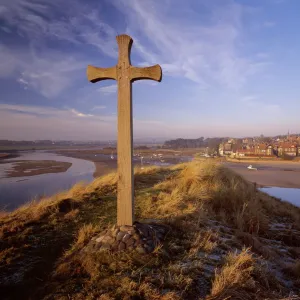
x=226, y=241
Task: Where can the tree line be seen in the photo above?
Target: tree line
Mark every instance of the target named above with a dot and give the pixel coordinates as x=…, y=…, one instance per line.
x=211, y=143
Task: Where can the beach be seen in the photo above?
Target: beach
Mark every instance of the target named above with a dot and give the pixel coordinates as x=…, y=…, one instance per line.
x=269, y=173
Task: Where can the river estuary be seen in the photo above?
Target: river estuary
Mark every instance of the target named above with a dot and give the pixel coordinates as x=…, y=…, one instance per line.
x=15, y=191
x=281, y=181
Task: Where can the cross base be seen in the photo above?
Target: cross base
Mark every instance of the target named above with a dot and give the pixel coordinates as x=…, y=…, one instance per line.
x=142, y=238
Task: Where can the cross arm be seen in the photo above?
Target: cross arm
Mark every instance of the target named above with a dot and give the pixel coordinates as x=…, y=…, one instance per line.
x=153, y=73
x=97, y=74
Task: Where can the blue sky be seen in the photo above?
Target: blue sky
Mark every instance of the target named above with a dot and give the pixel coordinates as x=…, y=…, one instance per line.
x=230, y=68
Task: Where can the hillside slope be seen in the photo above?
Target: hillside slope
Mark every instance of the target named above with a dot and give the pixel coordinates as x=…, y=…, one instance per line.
x=227, y=241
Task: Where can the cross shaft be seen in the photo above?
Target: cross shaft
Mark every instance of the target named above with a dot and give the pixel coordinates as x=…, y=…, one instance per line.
x=125, y=74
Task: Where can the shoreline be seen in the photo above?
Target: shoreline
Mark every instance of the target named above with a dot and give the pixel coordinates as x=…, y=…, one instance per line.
x=263, y=161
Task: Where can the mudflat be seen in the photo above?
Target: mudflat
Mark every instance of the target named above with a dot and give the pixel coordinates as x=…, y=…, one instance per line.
x=276, y=173
x=105, y=164
x=32, y=167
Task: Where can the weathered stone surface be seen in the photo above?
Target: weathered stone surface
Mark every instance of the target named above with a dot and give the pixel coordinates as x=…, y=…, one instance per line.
x=100, y=239
x=160, y=236
x=136, y=236
x=115, y=246
x=126, y=237
x=149, y=249
x=137, y=243
x=110, y=241
x=122, y=246
x=141, y=237
x=130, y=242
x=105, y=247
x=120, y=235
x=141, y=250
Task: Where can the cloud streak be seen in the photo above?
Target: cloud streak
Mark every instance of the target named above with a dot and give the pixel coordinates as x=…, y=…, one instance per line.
x=54, y=123
x=205, y=54
x=109, y=89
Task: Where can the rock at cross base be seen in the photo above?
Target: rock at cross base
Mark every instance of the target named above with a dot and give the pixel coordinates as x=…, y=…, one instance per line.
x=142, y=238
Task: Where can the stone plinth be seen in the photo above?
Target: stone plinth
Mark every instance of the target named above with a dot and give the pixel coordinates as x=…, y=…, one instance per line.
x=143, y=238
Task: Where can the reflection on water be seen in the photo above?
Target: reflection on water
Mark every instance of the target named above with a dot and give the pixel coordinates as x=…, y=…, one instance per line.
x=18, y=190
x=287, y=194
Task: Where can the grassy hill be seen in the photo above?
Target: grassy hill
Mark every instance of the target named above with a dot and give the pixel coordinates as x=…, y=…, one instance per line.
x=227, y=241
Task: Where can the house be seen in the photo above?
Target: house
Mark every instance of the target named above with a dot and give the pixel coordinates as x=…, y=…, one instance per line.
x=290, y=149
x=247, y=141
x=264, y=149
x=245, y=151
x=270, y=150
x=227, y=148
x=221, y=150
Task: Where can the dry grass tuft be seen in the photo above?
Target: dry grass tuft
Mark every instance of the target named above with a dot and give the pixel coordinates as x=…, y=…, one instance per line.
x=71, y=214
x=203, y=241
x=232, y=280
x=68, y=263
x=85, y=234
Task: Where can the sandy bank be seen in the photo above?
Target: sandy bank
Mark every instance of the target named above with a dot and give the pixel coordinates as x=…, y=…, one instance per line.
x=32, y=168
x=280, y=174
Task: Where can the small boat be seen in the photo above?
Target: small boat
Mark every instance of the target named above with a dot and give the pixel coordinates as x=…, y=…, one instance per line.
x=251, y=168
x=112, y=156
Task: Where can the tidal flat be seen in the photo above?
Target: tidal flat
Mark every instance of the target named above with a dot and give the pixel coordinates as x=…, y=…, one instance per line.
x=105, y=160
x=280, y=174
x=31, y=168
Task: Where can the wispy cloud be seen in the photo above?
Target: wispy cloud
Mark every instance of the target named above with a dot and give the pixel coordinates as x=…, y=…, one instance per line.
x=205, y=54
x=19, y=121
x=48, y=73
x=79, y=114
x=109, y=89
x=69, y=21
x=98, y=107
x=37, y=67
x=269, y=24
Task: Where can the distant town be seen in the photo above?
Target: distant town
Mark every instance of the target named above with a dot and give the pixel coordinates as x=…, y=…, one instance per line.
x=285, y=146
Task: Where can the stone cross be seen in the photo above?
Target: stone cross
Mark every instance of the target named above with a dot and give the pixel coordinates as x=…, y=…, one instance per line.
x=125, y=74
